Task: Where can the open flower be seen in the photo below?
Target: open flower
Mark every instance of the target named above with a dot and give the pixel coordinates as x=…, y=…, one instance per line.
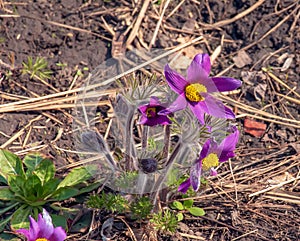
x=150, y=116
x=195, y=90
x=43, y=229
x=210, y=157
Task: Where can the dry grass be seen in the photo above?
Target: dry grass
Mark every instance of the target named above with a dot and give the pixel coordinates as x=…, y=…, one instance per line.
x=260, y=187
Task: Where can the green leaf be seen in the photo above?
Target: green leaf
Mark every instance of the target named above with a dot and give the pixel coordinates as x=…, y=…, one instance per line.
x=177, y=205
x=50, y=187
x=32, y=188
x=76, y=176
x=65, y=193
x=16, y=184
x=31, y=161
x=188, y=203
x=6, y=194
x=10, y=164
x=59, y=220
x=3, y=223
x=8, y=237
x=45, y=171
x=195, y=211
x=3, y=180
x=6, y=209
x=20, y=218
x=90, y=187
x=179, y=217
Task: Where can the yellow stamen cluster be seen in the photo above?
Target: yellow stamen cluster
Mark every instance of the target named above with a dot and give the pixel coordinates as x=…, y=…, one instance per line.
x=41, y=239
x=212, y=160
x=151, y=112
x=192, y=92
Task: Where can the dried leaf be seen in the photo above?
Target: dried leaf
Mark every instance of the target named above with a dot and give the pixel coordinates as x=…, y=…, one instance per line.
x=242, y=59
x=260, y=91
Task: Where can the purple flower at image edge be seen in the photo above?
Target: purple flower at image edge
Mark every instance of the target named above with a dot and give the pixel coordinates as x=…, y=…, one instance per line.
x=150, y=113
x=194, y=91
x=43, y=229
x=210, y=157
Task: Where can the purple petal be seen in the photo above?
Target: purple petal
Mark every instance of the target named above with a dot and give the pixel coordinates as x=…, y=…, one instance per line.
x=205, y=149
x=213, y=172
x=215, y=107
x=198, y=112
x=59, y=234
x=143, y=109
x=34, y=228
x=184, y=186
x=45, y=224
x=195, y=175
x=154, y=101
x=199, y=69
x=158, y=120
x=176, y=82
x=228, y=146
x=179, y=104
x=25, y=232
x=226, y=83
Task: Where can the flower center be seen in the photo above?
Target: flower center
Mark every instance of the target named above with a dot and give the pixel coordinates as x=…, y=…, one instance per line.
x=41, y=239
x=151, y=112
x=212, y=160
x=192, y=92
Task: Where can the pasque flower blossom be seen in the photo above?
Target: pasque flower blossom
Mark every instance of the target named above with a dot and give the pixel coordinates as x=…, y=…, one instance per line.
x=194, y=91
x=210, y=156
x=43, y=229
x=150, y=113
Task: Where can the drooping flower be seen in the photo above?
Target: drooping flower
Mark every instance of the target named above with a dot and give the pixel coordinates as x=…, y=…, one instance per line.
x=150, y=113
x=43, y=229
x=194, y=91
x=210, y=157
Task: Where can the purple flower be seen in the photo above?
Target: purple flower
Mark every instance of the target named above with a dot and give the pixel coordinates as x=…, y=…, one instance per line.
x=150, y=116
x=195, y=90
x=43, y=229
x=210, y=157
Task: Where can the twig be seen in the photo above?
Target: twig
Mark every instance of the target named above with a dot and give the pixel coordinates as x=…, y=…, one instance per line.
x=158, y=24
x=272, y=187
x=175, y=9
x=138, y=22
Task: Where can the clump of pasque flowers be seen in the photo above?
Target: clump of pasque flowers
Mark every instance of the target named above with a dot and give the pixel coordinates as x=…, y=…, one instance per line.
x=196, y=92
x=43, y=229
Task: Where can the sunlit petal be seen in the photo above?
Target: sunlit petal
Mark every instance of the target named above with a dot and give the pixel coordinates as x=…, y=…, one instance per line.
x=176, y=82
x=199, y=69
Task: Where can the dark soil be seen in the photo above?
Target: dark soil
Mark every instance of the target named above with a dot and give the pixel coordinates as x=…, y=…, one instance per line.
x=74, y=33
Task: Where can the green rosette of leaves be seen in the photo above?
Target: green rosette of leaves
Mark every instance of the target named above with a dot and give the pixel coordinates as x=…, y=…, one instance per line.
x=27, y=185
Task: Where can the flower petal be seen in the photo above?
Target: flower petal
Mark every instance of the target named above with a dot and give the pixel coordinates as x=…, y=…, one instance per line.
x=226, y=83
x=158, y=120
x=179, y=104
x=215, y=107
x=34, y=228
x=198, y=112
x=184, y=186
x=45, y=224
x=205, y=149
x=213, y=172
x=199, y=69
x=176, y=82
x=25, y=232
x=59, y=234
x=195, y=175
x=154, y=101
x=228, y=146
